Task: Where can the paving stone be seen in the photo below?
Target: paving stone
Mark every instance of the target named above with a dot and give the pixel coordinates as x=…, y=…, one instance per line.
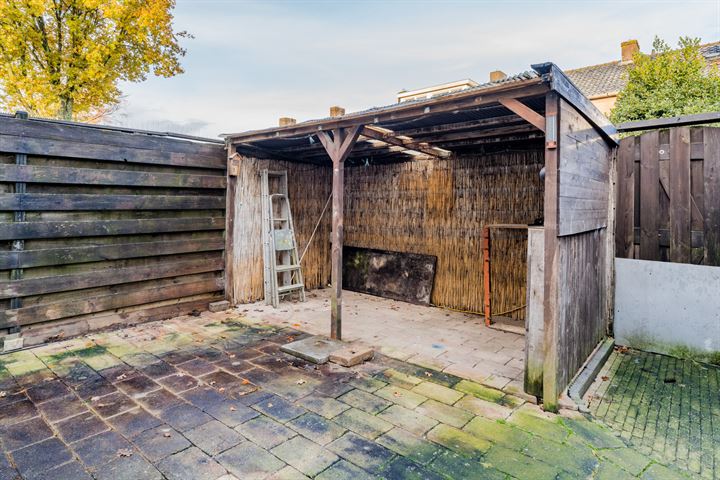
x=47, y=391
x=249, y=462
x=287, y=473
x=72, y=470
x=159, y=442
x=101, y=449
x=213, y=437
x=550, y=429
x=438, y=392
x=333, y=388
x=456, y=466
x=231, y=412
x=111, y=405
x=407, y=419
x=22, y=434
x=203, y=397
x=409, y=445
x=610, y=471
x=363, y=453
x=316, y=428
x=367, y=384
x=133, y=467
x=118, y=373
x=17, y=412
x=134, y=422
x=80, y=427
x=343, y=470
x=177, y=357
x=326, y=406
x=184, y=417
x=137, y=385
x=197, y=367
x=279, y=409
x=593, y=433
x=306, y=456
x=96, y=387
x=517, y=465
x=478, y=406
x=444, y=413
x=577, y=460
x=627, y=458
x=499, y=432
x=313, y=349
x=41, y=457
x=480, y=391
x=254, y=397
x=364, y=401
x=158, y=370
x=159, y=400
x=363, y=423
x=140, y=359
x=400, y=396
x=178, y=382
x=459, y=440
x=265, y=432
x=398, y=378
x=191, y=464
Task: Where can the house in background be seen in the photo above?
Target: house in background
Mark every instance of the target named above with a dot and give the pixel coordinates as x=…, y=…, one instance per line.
x=600, y=83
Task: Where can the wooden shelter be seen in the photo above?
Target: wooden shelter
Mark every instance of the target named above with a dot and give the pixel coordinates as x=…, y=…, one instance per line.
x=476, y=157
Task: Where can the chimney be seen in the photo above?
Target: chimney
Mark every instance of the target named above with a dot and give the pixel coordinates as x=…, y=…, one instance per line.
x=337, y=111
x=286, y=121
x=497, y=75
x=628, y=49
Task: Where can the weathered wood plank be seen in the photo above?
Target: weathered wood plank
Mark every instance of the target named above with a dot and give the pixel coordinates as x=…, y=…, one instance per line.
x=68, y=229
x=89, y=176
x=625, y=208
x=108, y=276
x=97, y=253
x=649, y=196
x=65, y=148
x=711, y=169
x=90, y=134
x=45, y=202
x=680, y=200
x=116, y=297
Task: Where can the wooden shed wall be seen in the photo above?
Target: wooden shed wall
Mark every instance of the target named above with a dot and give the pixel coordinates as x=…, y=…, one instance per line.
x=434, y=207
x=118, y=228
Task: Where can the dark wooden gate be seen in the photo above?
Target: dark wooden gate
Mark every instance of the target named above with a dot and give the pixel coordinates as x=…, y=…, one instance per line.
x=668, y=196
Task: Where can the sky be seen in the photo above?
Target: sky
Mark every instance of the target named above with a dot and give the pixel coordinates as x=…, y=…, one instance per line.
x=252, y=62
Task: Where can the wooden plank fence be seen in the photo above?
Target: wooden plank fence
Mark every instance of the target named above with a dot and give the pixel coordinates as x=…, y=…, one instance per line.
x=668, y=196
x=101, y=226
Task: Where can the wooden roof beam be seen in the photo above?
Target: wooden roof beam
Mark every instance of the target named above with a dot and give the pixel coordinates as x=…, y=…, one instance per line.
x=525, y=112
x=391, y=138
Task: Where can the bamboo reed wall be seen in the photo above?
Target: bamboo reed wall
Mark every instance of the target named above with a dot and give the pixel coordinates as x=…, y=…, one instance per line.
x=434, y=207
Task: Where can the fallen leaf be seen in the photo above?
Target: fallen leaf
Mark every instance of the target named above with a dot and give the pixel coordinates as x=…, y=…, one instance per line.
x=428, y=374
x=232, y=409
x=300, y=382
x=167, y=435
x=122, y=376
x=221, y=389
x=397, y=394
x=94, y=399
x=245, y=381
x=605, y=378
x=3, y=394
x=269, y=405
x=124, y=452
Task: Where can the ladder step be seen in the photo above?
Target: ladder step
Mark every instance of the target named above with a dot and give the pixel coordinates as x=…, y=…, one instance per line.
x=290, y=288
x=286, y=268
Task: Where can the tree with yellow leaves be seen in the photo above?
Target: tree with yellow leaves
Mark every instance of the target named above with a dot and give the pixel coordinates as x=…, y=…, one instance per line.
x=65, y=58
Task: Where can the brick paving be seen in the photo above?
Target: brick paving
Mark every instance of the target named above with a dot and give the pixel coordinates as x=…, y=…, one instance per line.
x=446, y=340
x=665, y=407
x=212, y=397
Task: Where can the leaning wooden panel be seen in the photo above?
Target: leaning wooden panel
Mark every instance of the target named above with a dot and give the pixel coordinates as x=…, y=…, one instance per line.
x=583, y=174
x=625, y=206
x=40, y=201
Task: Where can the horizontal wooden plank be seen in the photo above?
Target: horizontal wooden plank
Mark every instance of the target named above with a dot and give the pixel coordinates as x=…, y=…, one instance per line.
x=113, y=299
x=91, y=134
x=685, y=120
x=68, y=229
x=697, y=237
x=97, y=253
x=107, y=276
x=90, y=176
x=65, y=148
x=44, y=202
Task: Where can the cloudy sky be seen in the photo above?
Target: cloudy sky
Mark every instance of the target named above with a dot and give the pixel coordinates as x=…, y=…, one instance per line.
x=254, y=61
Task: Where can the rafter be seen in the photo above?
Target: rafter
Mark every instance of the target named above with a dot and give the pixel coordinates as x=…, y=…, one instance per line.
x=525, y=112
x=390, y=137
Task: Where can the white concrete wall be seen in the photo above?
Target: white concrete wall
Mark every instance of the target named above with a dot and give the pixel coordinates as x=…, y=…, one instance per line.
x=663, y=307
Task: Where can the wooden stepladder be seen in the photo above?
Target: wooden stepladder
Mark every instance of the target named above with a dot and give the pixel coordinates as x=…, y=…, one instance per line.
x=283, y=275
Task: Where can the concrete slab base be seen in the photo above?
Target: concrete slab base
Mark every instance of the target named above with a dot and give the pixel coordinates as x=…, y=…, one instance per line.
x=13, y=342
x=351, y=355
x=313, y=349
x=220, y=306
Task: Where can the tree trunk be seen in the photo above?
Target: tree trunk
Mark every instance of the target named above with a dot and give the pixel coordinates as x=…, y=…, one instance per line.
x=66, y=108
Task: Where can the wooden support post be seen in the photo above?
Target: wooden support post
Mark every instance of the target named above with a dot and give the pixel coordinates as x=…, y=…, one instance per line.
x=19, y=216
x=551, y=391
x=486, y=275
x=338, y=147
x=230, y=199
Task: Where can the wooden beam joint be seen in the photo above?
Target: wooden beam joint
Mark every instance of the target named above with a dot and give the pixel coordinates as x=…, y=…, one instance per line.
x=524, y=112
